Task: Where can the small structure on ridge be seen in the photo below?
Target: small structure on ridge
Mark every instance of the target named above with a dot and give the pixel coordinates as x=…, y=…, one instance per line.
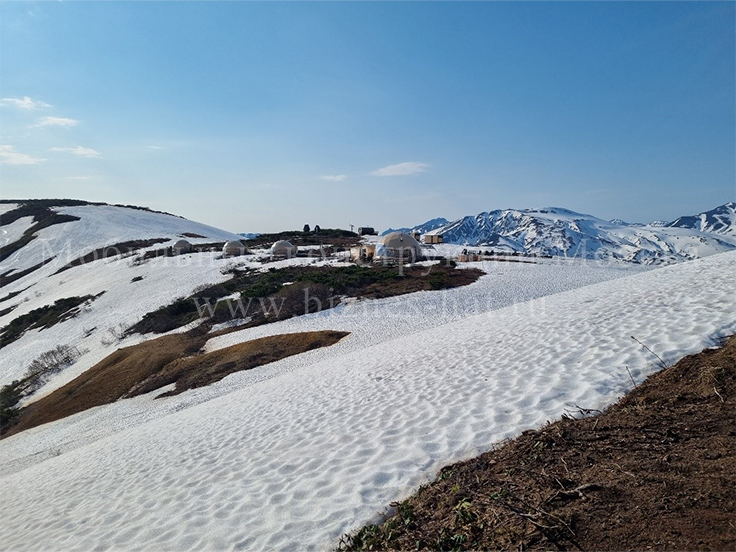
x=283, y=249
x=398, y=246
x=181, y=247
x=233, y=248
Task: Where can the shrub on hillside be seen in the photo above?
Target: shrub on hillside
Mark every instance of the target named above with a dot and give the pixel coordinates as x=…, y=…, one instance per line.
x=47, y=364
x=44, y=317
x=10, y=395
x=300, y=298
x=37, y=375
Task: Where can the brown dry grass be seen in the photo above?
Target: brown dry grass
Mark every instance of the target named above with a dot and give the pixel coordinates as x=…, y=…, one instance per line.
x=152, y=364
x=201, y=370
x=657, y=471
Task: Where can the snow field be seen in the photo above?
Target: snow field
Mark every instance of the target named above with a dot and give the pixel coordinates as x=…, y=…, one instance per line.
x=294, y=460
x=7, y=207
x=14, y=231
x=100, y=226
x=369, y=322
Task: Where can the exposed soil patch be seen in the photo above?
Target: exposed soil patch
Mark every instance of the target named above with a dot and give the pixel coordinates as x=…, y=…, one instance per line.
x=169, y=251
x=105, y=382
x=11, y=275
x=37, y=208
x=44, y=317
x=201, y=370
x=40, y=203
x=112, y=251
x=192, y=235
x=657, y=471
x=153, y=364
x=12, y=294
x=43, y=217
x=265, y=297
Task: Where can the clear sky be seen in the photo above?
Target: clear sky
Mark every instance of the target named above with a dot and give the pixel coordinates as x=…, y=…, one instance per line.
x=266, y=116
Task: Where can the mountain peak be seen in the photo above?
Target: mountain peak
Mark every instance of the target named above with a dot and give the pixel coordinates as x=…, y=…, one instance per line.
x=559, y=210
x=559, y=231
x=720, y=220
x=428, y=226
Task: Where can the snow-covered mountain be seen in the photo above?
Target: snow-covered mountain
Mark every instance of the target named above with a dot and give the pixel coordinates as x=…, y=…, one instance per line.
x=561, y=232
x=721, y=220
x=52, y=250
x=620, y=222
x=422, y=228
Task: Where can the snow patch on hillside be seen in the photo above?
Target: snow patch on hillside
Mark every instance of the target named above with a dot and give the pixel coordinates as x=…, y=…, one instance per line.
x=99, y=226
x=12, y=232
x=7, y=207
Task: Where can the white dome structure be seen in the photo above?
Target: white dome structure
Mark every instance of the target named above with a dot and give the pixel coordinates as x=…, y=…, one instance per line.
x=397, y=246
x=181, y=247
x=233, y=248
x=283, y=249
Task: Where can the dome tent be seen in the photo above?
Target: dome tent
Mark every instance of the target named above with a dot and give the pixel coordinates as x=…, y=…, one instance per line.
x=181, y=247
x=233, y=248
x=283, y=249
x=397, y=246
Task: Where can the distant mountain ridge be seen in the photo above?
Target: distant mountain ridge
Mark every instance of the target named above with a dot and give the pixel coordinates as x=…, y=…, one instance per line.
x=422, y=228
x=721, y=220
x=561, y=232
x=249, y=235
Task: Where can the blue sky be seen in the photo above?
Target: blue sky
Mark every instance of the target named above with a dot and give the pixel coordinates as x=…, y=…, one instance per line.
x=266, y=116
